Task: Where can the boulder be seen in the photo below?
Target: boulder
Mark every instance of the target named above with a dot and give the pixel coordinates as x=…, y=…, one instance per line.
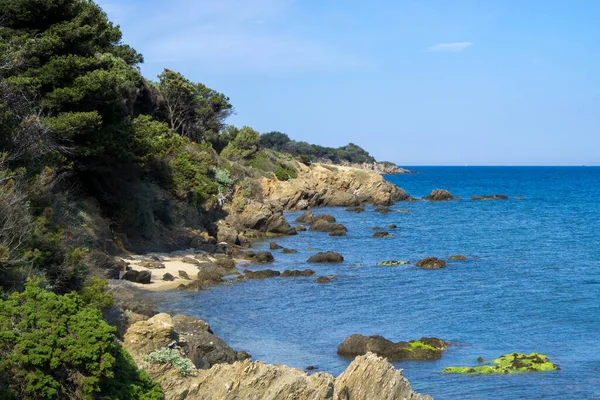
x=227, y=234
x=133, y=275
x=490, y=197
x=431, y=263
x=184, y=275
x=225, y=263
x=262, y=274
x=327, y=257
x=300, y=228
x=274, y=246
x=423, y=349
x=168, y=277
x=261, y=257
x=190, y=260
x=338, y=233
x=326, y=217
x=307, y=218
x=295, y=273
x=382, y=234
x=289, y=251
x=439, y=195
x=322, y=225
x=325, y=279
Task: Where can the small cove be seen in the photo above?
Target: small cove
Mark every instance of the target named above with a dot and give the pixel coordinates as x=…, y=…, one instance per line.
x=530, y=284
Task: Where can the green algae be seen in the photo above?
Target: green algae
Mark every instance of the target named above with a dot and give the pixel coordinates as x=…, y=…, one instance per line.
x=417, y=344
x=513, y=363
x=392, y=263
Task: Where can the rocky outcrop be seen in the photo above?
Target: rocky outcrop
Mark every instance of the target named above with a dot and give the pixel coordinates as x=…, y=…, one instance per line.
x=513, y=363
x=133, y=275
x=327, y=257
x=423, y=349
x=322, y=225
x=191, y=336
x=491, y=197
x=439, y=195
x=262, y=274
x=431, y=263
x=296, y=272
x=325, y=185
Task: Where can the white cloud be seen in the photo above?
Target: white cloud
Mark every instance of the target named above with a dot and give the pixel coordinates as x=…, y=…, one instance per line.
x=451, y=47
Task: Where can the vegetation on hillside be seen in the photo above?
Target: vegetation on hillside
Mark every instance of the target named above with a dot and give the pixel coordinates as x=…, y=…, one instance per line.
x=350, y=153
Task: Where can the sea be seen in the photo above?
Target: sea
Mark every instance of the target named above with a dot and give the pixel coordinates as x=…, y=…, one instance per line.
x=531, y=284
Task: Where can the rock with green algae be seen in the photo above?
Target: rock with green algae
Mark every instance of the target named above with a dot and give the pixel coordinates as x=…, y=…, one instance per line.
x=391, y=263
x=513, y=363
x=423, y=349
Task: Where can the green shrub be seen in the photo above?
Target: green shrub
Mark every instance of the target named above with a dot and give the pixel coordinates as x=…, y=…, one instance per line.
x=223, y=178
x=285, y=172
x=54, y=346
x=173, y=357
x=305, y=159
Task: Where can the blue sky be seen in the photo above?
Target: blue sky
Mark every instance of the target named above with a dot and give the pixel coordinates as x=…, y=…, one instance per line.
x=417, y=82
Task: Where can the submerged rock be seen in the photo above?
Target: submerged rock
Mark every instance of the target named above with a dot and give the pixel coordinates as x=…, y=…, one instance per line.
x=262, y=274
x=392, y=262
x=457, y=258
x=423, y=349
x=322, y=225
x=382, y=210
x=274, y=246
x=382, y=234
x=509, y=364
x=439, y=195
x=392, y=226
x=338, y=233
x=307, y=218
x=431, y=263
x=490, y=197
x=295, y=272
x=289, y=251
x=327, y=257
x=356, y=209
x=261, y=257
x=326, y=217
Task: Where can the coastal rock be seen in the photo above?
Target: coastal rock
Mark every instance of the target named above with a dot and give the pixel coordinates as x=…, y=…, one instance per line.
x=262, y=274
x=326, y=217
x=227, y=234
x=168, y=277
x=307, y=218
x=439, y=195
x=184, y=275
x=133, y=275
x=327, y=257
x=324, y=279
x=423, y=349
x=382, y=234
x=295, y=273
x=392, y=226
x=274, y=246
x=300, y=228
x=457, y=258
x=225, y=263
x=513, y=363
x=220, y=374
x=324, y=185
x=261, y=257
x=322, y=225
x=491, y=197
x=338, y=233
x=289, y=251
x=370, y=377
x=431, y=263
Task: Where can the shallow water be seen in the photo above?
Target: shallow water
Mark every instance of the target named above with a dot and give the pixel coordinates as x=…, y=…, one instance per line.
x=532, y=283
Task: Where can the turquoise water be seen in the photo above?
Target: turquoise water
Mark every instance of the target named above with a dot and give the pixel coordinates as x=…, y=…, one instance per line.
x=532, y=283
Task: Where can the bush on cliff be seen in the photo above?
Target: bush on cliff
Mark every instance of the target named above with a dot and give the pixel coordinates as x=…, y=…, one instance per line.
x=54, y=346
